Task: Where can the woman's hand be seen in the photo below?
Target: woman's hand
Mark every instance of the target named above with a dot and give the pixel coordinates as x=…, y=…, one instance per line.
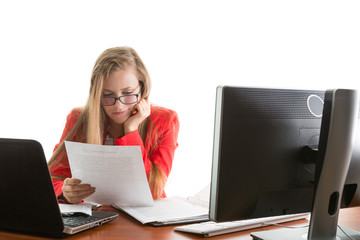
x=143, y=111
x=74, y=191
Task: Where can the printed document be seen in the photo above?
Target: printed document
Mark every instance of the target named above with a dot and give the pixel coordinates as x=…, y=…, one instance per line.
x=68, y=209
x=117, y=173
x=168, y=211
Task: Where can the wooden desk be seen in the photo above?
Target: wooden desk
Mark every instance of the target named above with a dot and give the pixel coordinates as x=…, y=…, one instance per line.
x=125, y=227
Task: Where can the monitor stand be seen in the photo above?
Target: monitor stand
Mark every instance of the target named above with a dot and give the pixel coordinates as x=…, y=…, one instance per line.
x=301, y=233
x=337, y=137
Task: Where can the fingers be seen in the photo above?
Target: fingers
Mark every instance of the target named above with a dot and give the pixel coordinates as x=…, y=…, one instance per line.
x=143, y=111
x=74, y=191
x=143, y=107
x=71, y=181
x=77, y=198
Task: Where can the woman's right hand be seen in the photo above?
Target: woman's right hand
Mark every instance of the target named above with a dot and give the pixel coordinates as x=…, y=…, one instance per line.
x=74, y=191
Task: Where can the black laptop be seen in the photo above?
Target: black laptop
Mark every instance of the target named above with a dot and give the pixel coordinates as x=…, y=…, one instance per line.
x=27, y=197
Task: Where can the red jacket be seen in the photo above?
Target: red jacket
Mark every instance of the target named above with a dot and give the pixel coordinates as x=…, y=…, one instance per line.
x=165, y=127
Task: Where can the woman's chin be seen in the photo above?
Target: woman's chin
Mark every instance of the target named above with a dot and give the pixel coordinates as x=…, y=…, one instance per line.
x=119, y=120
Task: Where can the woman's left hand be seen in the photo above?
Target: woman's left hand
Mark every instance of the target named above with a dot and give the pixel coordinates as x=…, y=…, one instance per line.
x=143, y=111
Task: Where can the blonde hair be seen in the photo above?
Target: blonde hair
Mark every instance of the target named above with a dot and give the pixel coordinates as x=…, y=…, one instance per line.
x=90, y=127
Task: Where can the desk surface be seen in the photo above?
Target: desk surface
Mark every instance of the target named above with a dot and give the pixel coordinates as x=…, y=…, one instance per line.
x=125, y=227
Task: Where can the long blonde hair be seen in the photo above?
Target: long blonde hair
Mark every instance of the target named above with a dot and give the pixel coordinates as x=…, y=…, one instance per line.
x=90, y=127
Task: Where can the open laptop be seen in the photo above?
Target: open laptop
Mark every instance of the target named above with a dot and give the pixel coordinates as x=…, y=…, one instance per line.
x=27, y=197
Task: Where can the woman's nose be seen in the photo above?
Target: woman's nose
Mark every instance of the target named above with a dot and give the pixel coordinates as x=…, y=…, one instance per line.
x=118, y=103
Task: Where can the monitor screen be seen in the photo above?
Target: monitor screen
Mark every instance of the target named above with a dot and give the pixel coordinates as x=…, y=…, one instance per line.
x=264, y=153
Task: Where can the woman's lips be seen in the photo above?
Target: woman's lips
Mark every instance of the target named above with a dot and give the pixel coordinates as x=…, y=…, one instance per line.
x=119, y=113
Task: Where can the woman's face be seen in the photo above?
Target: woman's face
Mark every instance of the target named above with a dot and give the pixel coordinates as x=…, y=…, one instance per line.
x=120, y=83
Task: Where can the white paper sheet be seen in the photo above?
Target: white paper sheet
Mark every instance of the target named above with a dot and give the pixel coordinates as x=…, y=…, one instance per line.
x=117, y=173
x=75, y=208
x=172, y=209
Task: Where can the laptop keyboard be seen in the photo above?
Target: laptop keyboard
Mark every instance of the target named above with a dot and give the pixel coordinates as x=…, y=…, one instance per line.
x=78, y=220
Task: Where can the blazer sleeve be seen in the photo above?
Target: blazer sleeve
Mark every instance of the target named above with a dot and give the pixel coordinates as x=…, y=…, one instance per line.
x=161, y=142
x=61, y=169
x=165, y=142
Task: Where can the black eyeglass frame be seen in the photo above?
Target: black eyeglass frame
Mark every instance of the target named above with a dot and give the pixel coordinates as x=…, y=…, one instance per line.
x=119, y=98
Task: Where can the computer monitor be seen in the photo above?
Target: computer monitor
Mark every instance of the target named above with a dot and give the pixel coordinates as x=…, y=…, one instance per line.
x=264, y=153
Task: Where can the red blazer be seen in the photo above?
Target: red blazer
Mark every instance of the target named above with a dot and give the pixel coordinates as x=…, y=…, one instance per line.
x=165, y=128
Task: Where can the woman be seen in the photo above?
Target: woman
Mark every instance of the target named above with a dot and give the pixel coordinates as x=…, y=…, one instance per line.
x=118, y=112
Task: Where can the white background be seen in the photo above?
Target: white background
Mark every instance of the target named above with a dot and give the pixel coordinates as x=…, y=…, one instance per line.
x=48, y=48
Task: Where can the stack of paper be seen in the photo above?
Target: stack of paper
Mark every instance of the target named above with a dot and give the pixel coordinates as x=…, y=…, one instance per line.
x=168, y=211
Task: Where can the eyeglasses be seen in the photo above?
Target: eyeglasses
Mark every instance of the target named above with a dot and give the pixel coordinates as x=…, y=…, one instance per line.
x=126, y=99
